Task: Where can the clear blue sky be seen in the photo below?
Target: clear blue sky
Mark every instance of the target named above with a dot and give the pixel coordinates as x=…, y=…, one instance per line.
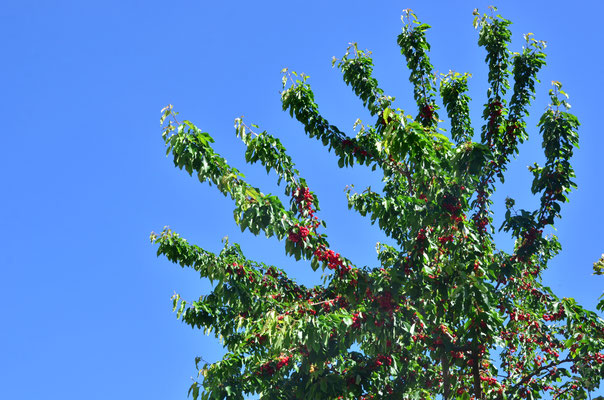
x=86, y=305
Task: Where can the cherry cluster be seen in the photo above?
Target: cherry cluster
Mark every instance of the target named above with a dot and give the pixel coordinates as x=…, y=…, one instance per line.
x=532, y=234
x=385, y=302
x=304, y=198
x=451, y=204
x=556, y=316
x=427, y=113
x=300, y=235
x=488, y=379
x=407, y=266
x=481, y=222
x=357, y=319
x=270, y=367
x=304, y=202
x=445, y=239
x=333, y=260
x=258, y=340
x=383, y=360
x=598, y=358
x=511, y=131
x=495, y=111
x=354, y=148
x=514, y=316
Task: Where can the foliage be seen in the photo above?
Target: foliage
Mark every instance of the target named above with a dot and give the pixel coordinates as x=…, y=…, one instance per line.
x=445, y=312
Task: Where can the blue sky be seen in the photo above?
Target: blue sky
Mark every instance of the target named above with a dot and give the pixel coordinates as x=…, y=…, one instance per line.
x=86, y=304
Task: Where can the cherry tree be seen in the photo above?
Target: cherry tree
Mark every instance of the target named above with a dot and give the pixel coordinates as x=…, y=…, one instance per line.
x=445, y=313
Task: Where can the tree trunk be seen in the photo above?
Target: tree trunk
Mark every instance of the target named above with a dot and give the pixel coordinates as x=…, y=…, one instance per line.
x=446, y=378
x=476, y=374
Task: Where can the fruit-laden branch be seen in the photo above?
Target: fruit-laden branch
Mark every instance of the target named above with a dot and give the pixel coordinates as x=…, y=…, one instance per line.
x=415, y=48
x=298, y=99
x=357, y=72
x=494, y=35
x=554, y=180
x=453, y=88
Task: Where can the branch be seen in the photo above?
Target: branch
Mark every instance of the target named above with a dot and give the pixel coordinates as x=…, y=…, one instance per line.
x=538, y=371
